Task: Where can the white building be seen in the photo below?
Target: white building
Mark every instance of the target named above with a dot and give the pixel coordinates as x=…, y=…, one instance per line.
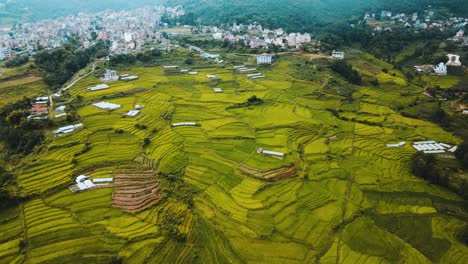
x=110, y=76
x=401, y=144
x=454, y=60
x=132, y=113
x=83, y=183
x=264, y=59
x=271, y=153
x=98, y=87
x=441, y=69
x=68, y=129
x=107, y=106
x=184, y=124
x=218, y=35
x=338, y=54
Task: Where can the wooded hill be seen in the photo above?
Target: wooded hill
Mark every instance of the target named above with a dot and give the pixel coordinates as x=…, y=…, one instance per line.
x=292, y=15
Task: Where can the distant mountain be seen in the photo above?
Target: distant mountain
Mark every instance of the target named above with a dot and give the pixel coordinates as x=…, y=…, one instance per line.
x=297, y=15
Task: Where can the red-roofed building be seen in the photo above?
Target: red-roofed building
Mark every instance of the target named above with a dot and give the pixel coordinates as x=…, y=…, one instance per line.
x=37, y=108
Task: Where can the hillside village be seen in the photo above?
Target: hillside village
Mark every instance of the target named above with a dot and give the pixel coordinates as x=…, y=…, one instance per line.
x=256, y=36
x=385, y=20
x=125, y=30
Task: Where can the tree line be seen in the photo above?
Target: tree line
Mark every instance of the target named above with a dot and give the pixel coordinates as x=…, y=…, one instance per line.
x=17, y=61
x=60, y=64
x=19, y=134
x=430, y=168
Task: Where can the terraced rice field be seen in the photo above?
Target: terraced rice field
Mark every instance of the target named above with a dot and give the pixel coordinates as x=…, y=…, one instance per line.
x=134, y=192
x=203, y=194
x=16, y=83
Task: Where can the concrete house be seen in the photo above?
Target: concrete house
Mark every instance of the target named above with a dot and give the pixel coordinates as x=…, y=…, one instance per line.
x=265, y=59
x=441, y=69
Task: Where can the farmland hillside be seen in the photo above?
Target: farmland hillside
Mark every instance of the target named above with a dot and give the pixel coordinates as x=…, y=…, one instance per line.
x=198, y=176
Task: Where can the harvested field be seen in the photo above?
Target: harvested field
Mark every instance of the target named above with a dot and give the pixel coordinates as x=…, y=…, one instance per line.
x=135, y=191
x=273, y=175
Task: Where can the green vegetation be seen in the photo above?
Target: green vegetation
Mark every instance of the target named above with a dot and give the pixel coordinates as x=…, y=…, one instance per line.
x=462, y=154
x=252, y=101
x=17, y=61
x=19, y=134
x=19, y=82
x=339, y=195
x=347, y=72
x=60, y=64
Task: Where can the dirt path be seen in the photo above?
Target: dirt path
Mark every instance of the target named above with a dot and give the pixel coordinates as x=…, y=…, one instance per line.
x=79, y=79
x=71, y=85
x=345, y=202
x=25, y=234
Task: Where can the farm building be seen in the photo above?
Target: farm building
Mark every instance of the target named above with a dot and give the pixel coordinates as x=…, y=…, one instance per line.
x=107, y=106
x=60, y=115
x=193, y=73
x=432, y=147
x=401, y=144
x=217, y=90
x=103, y=180
x=258, y=77
x=255, y=76
x=210, y=56
x=213, y=77
x=68, y=129
x=265, y=59
x=172, y=69
x=453, y=149
x=60, y=108
x=338, y=55
x=271, y=153
x=184, y=124
x=129, y=78
x=246, y=70
x=98, y=87
x=42, y=98
x=83, y=183
x=132, y=113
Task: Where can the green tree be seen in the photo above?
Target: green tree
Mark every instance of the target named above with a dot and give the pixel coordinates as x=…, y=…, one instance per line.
x=462, y=154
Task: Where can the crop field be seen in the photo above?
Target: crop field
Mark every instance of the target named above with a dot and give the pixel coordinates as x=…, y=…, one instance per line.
x=16, y=83
x=203, y=194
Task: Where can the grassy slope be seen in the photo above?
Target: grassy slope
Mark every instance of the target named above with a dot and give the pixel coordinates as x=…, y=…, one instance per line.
x=16, y=83
x=354, y=200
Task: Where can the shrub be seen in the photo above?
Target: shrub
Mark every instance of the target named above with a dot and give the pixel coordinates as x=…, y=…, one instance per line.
x=17, y=61
x=346, y=70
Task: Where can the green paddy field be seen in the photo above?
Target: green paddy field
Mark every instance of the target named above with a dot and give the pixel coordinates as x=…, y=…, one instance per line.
x=350, y=199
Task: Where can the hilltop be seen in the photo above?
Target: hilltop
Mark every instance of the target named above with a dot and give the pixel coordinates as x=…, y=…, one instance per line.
x=297, y=15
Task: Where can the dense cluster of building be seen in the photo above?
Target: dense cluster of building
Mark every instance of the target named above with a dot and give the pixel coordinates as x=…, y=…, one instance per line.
x=125, y=30
x=420, y=22
x=255, y=36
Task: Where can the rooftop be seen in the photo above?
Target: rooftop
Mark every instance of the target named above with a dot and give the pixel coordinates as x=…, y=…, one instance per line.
x=107, y=106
